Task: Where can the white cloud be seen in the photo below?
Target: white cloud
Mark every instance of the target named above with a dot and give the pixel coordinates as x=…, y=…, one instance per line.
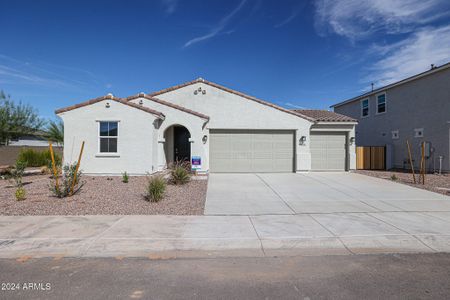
x=218, y=28
x=358, y=19
x=410, y=56
x=170, y=5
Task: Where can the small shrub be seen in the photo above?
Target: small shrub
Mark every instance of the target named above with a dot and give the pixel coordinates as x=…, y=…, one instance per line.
x=65, y=182
x=125, y=177
x=394, y=177
x=20, y=193
x=35, y=158
x=180, y=173
x=155, y=189
x=17, y=172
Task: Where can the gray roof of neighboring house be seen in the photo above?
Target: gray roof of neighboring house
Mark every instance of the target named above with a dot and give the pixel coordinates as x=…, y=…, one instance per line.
x=324, y=115
x=403, y=81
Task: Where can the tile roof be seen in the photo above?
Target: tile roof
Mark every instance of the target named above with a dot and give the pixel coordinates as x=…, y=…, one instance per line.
x=110, y=97
x=324, y=115
x=175, y=106
x=201, y=80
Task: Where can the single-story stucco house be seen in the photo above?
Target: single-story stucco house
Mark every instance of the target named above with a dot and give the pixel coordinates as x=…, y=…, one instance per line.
x=215, y=128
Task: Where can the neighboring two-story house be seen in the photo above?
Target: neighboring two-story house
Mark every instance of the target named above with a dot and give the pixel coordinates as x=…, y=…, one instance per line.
x=416, y=109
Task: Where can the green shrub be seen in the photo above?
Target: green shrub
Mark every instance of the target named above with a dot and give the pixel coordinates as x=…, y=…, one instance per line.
x=20, y=193
x=17, y=172
x=65, y=182
x=180, y=173
x=125, y=177
x=394, y=177
x=35, y=158
x=155, y=189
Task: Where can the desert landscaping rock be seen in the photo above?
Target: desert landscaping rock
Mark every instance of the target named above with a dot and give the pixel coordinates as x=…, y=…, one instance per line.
x=433, y=182
x=103, y=195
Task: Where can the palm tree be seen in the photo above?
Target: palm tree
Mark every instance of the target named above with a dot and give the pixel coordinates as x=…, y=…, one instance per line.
x=55, y=132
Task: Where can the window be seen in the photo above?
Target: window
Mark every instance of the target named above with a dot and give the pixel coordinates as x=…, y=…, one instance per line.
x=381, y=103
x=418, y=132
x=109, y=132
x=364, y=108
x=395, y=134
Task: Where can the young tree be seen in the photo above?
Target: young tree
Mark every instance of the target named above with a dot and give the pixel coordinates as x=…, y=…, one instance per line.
x=17, y=119
x=55, y=132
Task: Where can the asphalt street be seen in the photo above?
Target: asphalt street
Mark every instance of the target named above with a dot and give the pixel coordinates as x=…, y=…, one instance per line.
x=387, y=276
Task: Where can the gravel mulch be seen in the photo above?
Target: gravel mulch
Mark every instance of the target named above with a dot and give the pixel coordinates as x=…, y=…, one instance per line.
x=433, y=182
x=103, y=196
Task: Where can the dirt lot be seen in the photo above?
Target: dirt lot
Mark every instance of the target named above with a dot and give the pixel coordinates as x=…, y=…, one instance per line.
x=102, y=195
x=433, y=182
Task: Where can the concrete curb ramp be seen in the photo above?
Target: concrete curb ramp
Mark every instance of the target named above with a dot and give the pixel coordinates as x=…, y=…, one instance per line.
x=206, y=236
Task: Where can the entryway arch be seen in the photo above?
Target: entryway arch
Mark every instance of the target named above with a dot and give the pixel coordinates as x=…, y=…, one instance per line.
x=177, y=146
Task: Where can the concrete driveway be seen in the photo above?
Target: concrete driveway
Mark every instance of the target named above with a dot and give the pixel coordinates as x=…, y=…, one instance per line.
x=281, y=194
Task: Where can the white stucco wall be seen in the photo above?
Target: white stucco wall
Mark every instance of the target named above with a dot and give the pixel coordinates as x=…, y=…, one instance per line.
x=230, y=111
x=136, y=142
x=173, y=116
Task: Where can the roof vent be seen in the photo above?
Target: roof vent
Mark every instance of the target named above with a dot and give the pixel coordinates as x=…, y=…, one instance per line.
x=110, y=95
x=141, y=94
x=200, y=79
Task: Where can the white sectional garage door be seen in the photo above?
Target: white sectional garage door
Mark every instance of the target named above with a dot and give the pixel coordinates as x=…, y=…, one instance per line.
x=328, y=151
x=251, y=151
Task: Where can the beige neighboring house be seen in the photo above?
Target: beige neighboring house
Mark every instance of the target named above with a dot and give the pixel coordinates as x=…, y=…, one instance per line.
x=215, y=128
x=416, y=109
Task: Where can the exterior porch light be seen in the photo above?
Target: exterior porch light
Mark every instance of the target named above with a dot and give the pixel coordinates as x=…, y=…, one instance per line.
x=302, y=140
x=204, y=139
x=352, y=140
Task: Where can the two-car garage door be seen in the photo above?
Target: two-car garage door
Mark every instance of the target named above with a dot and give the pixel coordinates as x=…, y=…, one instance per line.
x=251, y=150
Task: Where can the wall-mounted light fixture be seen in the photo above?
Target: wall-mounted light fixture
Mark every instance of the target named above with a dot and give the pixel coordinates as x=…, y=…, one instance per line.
x=107, y=105
x=204, y=139
x=302, y=140
x=352, y=140
x=141, y=102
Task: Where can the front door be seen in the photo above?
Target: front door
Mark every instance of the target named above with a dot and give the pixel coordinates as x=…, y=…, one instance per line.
x=182, y=146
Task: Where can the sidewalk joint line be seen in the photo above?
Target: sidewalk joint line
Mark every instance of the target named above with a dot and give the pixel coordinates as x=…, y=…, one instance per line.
x=257, y=235
x=276, y=193
x=410, y=234
x=332, y=233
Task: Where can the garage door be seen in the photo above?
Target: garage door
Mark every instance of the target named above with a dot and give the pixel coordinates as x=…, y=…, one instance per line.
x=251, y=151
x=328, y=151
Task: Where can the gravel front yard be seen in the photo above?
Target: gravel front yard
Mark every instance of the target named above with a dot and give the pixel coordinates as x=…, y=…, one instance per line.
x=103, y=196
x=435, y=183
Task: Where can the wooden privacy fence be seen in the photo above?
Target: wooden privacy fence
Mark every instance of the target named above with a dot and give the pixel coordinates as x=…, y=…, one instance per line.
x=371, y=158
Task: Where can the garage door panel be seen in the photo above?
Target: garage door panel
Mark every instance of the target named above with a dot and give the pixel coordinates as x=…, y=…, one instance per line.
x=328, y=151
x=251, y=151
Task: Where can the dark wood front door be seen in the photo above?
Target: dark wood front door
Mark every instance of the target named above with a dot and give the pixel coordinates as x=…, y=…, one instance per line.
x=182, y=147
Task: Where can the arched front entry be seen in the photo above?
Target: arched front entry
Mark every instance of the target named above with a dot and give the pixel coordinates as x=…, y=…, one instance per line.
x=177, y=146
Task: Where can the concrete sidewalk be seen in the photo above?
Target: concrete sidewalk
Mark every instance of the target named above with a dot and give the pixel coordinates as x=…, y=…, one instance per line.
x=200, y=236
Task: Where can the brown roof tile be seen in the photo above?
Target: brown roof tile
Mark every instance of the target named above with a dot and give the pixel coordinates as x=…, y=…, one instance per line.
x=168, y=104
x=324, y=115
x=201, y=80
x=110, y=97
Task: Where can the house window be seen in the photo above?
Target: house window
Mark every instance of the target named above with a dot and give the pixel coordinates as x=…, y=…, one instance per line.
x=418, y=132
x=395, y=134
x=109, y=132
x=381, y=103
x=364, y=108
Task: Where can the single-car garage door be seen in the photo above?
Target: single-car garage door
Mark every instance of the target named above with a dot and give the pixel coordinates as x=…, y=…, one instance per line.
x=328, y=151
x=251, y=150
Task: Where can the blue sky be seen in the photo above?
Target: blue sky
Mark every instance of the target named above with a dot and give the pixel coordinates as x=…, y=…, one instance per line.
x=297, y=54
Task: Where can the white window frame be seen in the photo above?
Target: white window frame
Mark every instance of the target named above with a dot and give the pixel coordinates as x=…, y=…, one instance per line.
x=416, y=132
x=395, y=134
x=368, y=107
x=113, y=154
x=385, y=103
